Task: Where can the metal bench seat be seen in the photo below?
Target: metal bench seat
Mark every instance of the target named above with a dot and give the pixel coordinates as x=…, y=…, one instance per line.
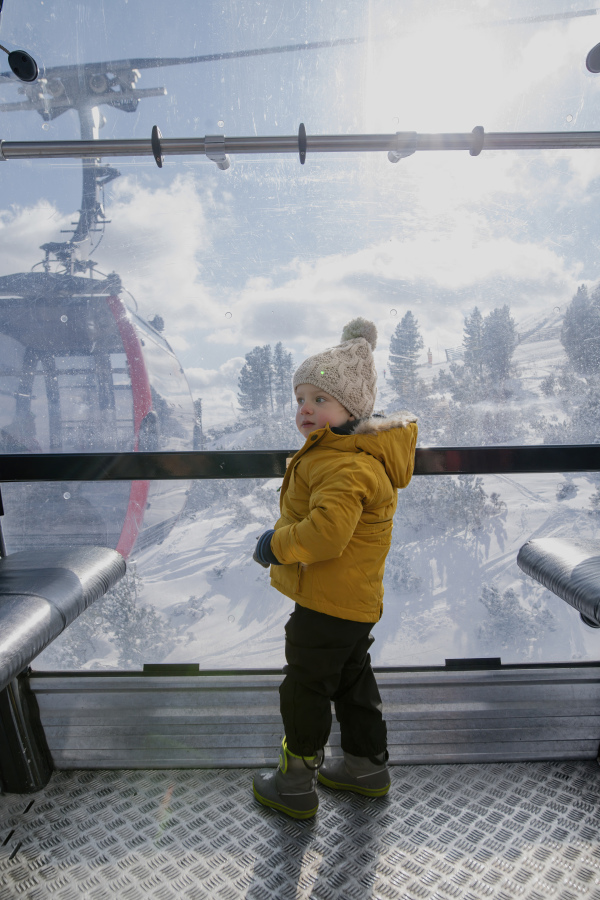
x=42, y=592
x=568, y=569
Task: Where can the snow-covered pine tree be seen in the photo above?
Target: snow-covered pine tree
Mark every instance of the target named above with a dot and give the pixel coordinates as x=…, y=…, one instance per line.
x=248, y=383
x=283, y=368
x=198, y=438
x=580, y=334
x=255, y=381
x=511, y=624
x=266, y=355
x=473, y=344
x=405, y=346
x=499, y=340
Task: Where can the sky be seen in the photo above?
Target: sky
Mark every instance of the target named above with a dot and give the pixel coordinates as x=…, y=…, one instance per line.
x=272, y=251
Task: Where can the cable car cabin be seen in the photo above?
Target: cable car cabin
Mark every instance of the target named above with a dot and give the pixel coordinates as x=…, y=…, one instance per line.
x=80, y=372
x=257, y=176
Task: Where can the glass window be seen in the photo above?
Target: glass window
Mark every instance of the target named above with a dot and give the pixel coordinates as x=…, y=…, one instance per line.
x=166, y=308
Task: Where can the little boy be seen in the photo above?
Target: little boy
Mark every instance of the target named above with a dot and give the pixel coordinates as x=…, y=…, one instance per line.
x=327, y=553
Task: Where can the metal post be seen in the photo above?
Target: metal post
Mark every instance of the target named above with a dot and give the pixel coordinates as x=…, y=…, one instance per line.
x=25, y=760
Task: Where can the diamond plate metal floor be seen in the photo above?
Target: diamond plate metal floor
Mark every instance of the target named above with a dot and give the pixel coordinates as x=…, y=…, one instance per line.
x=498, y=831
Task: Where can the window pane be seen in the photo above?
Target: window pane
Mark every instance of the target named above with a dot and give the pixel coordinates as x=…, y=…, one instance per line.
x=146, y=308
x=452, y=586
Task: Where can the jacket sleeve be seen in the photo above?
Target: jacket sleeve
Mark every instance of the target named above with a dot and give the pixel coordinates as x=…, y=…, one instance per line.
x=410, y=437
x=337, y=500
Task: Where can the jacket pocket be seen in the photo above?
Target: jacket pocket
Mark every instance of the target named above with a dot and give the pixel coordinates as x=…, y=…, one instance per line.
x=304, y=580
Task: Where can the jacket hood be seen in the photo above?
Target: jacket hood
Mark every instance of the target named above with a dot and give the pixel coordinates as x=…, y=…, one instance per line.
x=389, y=439
x=377, y=424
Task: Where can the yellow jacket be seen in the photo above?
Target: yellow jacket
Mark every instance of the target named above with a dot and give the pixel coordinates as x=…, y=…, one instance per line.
x=338, y=500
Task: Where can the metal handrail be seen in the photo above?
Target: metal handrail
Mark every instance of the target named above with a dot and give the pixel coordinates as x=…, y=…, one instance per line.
x=401, y=143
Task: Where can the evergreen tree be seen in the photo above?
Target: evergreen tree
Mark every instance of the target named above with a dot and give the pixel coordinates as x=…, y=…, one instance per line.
x=499, y=340
x=249, y=383
x=512, y=624
x=405, y=346
x=255, y=381
x=283, y=367
x=473, y=344
x=198, y=438
x=580, y=334
x=266, y=357
x=595, y=499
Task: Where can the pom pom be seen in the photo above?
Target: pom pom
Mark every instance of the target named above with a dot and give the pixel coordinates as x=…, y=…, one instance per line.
x=360, y=328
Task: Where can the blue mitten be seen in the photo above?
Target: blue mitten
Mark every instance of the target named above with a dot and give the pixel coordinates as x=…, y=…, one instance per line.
x=263, y=554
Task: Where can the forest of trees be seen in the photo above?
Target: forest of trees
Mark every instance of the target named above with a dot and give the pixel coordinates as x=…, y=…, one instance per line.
x=488, y=346
x=447, y=404
x=580, y=335
x=454, y=406
x=265, y=382
x=576, y=384
x=478, y=399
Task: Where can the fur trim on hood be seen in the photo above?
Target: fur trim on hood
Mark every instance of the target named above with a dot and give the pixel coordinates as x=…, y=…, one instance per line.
x=377, y=423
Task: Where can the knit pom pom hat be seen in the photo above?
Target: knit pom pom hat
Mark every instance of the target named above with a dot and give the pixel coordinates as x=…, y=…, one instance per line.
x=346, y=371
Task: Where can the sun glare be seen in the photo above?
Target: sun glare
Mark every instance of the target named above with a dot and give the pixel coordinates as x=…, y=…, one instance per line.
x=445, y=77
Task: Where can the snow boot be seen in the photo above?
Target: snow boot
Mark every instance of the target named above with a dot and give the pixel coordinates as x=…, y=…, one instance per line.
x=292, y=787
x=367, y=775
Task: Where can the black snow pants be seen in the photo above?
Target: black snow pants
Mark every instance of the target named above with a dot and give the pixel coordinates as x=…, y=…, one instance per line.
x=328, y=659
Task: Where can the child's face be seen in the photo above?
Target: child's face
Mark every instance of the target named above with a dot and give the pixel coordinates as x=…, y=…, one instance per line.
x=317, y=408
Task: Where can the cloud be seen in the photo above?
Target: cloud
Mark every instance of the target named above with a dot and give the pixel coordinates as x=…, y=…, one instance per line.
x=463, y=244
x=449, y=75
x=218, y=390
x=584, y=168
x=227, y=374
x=440, y=276
x=179, y=343
x=158, y=242
x=23, y=230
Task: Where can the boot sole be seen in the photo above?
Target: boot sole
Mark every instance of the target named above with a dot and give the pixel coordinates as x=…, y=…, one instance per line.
x=354, y=788
x=294, y=813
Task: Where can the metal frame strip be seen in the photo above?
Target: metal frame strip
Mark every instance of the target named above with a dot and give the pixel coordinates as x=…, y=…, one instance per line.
x=140, y=721
x=167, y=466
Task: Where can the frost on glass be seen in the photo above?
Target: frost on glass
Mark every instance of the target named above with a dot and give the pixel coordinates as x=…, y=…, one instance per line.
x=480, y=273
